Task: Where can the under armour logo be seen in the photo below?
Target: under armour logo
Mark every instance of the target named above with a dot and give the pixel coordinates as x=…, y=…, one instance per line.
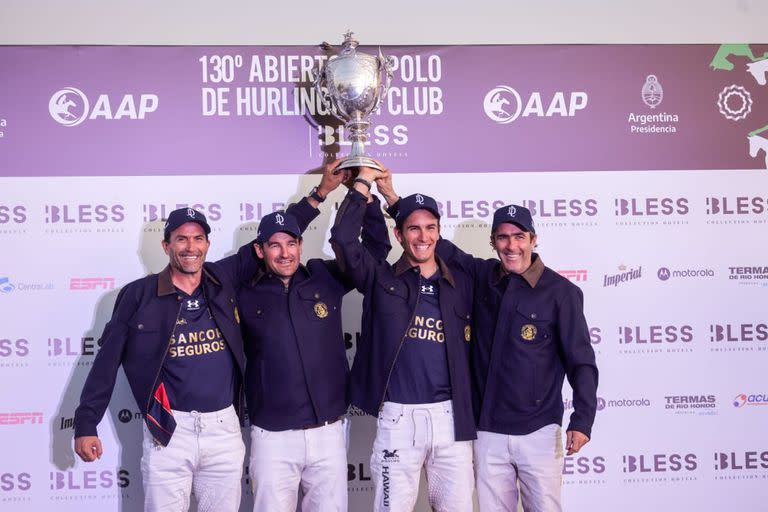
x=419, y=199
x=190, y=213
x=512, y=211
x=279, y=219
x=193, y=305
x=390, y=454
x=427, y=289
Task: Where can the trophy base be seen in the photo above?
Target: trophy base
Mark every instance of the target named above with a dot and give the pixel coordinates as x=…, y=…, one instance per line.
x=359, y=161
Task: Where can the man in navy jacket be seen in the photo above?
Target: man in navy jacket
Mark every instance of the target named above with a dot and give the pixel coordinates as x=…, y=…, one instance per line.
x=177, y=336
x=529, y=332
x=412, y=363
x=297, y=370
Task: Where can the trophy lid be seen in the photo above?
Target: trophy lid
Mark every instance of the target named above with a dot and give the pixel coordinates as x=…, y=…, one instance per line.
x=349, y=44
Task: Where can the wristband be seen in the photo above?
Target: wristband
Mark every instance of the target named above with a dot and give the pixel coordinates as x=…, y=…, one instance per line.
x=363, y=181
x=316, y=196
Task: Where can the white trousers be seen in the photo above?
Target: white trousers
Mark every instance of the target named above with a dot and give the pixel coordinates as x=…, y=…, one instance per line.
x=205, y=455
x=535, y=461
x=409, y=437
x=314, y=458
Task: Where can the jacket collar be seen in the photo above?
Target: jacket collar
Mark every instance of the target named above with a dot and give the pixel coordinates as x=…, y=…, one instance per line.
x=165, y=282
x=402, y=266
x=262, y=272
x=531, y=275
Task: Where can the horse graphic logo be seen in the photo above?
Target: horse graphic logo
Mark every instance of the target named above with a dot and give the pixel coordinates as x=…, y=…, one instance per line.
x=756, y=143
x=497, y=100
x=390, y=455
x=62, y=104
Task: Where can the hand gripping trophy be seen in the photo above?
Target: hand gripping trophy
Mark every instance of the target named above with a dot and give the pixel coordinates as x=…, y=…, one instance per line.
x=351, y=85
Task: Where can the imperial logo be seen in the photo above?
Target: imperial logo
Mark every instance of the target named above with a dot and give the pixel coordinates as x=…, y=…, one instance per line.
x=738, y=205
x=623, y=276
x=659, y=463
x=21, y=418
x=743, y=399
x=574, y=275
x=70, y=106
x=665, y=274
x=92, y=283
x=66, y=423
x=503, y=104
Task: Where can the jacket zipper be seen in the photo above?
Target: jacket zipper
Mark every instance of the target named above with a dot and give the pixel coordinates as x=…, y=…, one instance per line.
x=160, y=368
x=399, y=347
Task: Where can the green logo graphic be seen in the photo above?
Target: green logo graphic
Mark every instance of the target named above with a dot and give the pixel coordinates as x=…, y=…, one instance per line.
x=721, y=62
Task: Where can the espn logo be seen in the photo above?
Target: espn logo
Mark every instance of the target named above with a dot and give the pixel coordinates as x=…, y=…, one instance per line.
x=574, y=275
x=21, y=418
x=91, y=283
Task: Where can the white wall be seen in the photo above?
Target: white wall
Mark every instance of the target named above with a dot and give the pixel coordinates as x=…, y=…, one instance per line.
x=197, y=22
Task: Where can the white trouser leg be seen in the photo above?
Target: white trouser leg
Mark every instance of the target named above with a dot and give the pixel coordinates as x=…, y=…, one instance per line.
x=495, y=473
x=205, y=453
x=534, y=460
x=409, y=437
x=540, y=469
x=315, y=458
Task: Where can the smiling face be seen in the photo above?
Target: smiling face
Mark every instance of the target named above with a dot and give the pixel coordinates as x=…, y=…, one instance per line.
x=418, y=236
x=514, y=247
x=187, y=248
x=281, y=255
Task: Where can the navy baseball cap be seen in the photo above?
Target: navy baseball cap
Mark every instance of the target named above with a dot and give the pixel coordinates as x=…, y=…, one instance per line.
x=519, y=215
x=277, y=222
x=179, y=217
x=414, y=202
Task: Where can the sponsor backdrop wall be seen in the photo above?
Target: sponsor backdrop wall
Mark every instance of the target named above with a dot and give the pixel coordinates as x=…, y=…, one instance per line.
x=644, y=167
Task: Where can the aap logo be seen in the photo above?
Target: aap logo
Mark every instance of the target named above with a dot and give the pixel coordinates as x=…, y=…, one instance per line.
x=69, y=106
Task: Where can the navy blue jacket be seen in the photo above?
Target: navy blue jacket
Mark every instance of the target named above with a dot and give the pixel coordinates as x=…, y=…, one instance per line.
x=314, y=298
x=529, y=332
x=390, y=295
x=139, y=333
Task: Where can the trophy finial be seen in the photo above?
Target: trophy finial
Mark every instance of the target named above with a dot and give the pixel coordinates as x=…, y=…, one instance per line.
x=349, y=41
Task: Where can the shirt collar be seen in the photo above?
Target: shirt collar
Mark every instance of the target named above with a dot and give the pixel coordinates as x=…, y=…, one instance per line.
x=402, y=265
x=165, y=281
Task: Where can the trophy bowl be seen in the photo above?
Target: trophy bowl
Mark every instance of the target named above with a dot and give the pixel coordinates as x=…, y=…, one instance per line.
x=351, y=85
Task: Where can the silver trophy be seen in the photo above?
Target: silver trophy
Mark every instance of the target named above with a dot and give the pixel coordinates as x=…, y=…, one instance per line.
x=351, y=85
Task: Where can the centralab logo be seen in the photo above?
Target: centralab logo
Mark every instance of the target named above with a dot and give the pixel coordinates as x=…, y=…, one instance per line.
x=503, y=104
x=70, y=106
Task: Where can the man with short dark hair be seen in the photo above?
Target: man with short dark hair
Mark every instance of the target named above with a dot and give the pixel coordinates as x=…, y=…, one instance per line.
x=297, y=370
x=411, y=367
x=529, y=332
x=177, y=336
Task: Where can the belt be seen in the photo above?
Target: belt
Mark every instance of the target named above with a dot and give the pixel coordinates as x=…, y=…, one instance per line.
x=323, y=424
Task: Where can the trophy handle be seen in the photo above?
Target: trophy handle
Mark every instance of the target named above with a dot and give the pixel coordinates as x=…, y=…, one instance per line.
x=385, y=72
x=320, y=82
